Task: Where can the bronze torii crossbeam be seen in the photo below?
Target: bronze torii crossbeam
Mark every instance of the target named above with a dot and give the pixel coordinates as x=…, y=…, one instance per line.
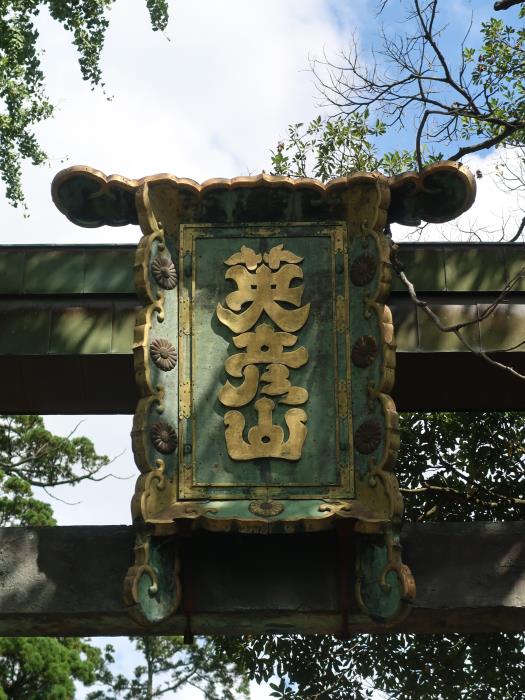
x=69, y=311
x=68, y=581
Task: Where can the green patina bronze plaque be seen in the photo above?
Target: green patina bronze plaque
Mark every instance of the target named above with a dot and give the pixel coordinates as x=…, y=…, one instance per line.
x=264, y=357
x=269, y=370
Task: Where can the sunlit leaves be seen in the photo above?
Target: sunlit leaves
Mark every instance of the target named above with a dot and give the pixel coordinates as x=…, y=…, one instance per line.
x=336, y=147
x=32, y=457
x=38, y=668
x=23, y=99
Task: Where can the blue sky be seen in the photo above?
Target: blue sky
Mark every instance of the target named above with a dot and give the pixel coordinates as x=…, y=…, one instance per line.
x=452, y=21
x=211, y=101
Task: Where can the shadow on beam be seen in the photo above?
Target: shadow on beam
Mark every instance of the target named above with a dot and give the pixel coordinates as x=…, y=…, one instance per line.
x=104, y=384
x=68, y=581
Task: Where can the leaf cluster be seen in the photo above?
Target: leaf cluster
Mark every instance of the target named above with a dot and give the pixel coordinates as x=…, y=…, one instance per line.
x=23, y=99
x=463, y=466
x=451, y=466
x=31, y=456
x=34, y=668
x=498, y=68
x=328, y=148
x=170, y=665
x=336, y=147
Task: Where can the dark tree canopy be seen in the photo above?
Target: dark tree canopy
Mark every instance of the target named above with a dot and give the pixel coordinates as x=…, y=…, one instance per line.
x=451, y=466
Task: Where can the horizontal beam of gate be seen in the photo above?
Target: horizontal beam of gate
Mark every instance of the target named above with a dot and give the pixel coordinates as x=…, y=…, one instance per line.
x=68, y=581
x=67, y=315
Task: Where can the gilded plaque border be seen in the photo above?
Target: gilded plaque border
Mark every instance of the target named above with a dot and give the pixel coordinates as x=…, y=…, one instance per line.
x=362, y=202
x=377, y=501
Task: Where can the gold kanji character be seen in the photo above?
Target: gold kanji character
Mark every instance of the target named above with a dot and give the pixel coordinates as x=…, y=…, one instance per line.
x=265, y=439
x=262, y=289
x=277, y=377
x=234, y=396
x=265, y=346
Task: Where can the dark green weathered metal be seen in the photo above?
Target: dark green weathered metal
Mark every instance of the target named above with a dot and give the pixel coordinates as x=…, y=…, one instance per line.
x=342, y=473
x=48, y=304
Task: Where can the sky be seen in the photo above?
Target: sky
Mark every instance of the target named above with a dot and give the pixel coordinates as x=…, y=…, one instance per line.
x=211, y=98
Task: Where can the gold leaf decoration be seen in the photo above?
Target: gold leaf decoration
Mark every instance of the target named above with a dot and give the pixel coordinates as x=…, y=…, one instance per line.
x=247, y=257
x=277, y=255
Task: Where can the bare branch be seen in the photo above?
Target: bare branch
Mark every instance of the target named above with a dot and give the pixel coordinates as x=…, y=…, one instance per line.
x=518, y=232
x=410, y=74
x=505, y=4
x=56, y=498
x=456, y=328
x=427, y=28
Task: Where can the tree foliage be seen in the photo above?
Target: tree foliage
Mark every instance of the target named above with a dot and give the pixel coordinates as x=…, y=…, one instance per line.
x=335, y=147
x=23, y=99
x=459, y=104
x=32, y=457
x=34, y=668
x=170, y=665
x=463, y=466
x=452, y=466
x=402, y=667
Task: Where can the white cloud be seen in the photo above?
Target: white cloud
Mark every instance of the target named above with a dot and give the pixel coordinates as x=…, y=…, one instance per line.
x=496, y=211
x=211, y=102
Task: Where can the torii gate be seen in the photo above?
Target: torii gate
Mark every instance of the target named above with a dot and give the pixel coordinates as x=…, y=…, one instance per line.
x=307, y=571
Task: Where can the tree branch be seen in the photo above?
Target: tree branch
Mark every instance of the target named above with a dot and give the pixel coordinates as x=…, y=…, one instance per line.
x=456, y=328
x=518, y=232
x=450, y=490
x=482, y=145
x=505, y=4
